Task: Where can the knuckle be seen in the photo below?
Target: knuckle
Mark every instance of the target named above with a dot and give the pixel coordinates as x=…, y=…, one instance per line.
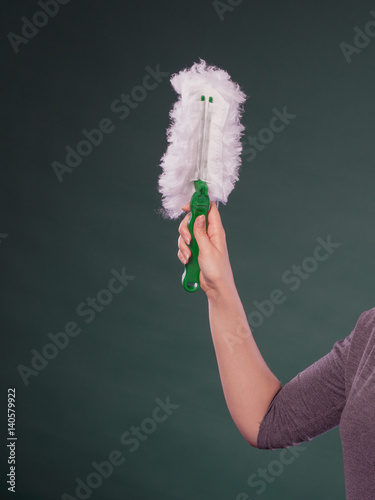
x=183, y=225
x=181, y=257
x=183, y=247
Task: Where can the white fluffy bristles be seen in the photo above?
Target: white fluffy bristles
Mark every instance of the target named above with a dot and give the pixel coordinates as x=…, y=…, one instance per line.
x=179, y=163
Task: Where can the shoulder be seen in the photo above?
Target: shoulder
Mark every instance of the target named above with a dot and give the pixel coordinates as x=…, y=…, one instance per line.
x=367, y=318
x=365, y=326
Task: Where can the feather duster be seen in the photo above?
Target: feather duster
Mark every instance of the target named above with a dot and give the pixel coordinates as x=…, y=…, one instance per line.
x=223, y=145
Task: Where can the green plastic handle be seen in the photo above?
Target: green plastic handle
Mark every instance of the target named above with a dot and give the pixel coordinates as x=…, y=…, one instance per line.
x=199, y=205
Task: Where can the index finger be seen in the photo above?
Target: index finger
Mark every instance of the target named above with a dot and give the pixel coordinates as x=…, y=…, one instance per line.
x=183, y=228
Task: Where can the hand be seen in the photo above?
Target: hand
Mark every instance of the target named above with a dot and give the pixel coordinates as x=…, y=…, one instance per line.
x=213, y=258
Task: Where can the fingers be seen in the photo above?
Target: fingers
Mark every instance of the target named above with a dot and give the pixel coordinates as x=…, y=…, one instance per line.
x=184, y=240
x=184, y=230
x=213, y=215
x=182, y=258
x=215, y=225
x=184, y=251
x=200, y=234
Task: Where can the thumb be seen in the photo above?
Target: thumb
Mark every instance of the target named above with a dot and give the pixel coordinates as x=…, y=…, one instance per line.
x=200, y=233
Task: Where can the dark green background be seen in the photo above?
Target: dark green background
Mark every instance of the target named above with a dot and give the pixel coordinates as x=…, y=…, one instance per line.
x=316, y=178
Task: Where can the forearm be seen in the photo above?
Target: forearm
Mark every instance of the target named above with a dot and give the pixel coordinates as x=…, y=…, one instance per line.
x=248, y=384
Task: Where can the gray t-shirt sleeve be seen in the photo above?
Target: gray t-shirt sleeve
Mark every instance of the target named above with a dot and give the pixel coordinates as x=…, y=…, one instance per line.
x=310, y=404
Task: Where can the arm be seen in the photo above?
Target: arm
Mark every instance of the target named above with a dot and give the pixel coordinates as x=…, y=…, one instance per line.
x=249, y=385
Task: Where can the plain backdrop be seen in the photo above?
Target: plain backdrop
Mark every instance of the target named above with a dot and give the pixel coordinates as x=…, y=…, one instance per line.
x=60, y=242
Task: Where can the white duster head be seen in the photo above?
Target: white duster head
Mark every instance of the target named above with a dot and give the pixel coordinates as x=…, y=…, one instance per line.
x=223, y=156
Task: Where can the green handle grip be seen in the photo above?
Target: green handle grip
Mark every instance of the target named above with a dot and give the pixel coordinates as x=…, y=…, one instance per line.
x=199, y=205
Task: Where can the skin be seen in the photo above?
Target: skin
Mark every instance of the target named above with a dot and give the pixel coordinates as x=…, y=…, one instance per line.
x=213, y=253
x=249, y=385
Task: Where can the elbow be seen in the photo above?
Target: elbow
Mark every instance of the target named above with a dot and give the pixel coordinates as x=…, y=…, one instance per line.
x=252, y=443
x=250, y=435
x=248, y=420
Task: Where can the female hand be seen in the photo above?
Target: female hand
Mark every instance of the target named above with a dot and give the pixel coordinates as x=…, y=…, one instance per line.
x=213, y=259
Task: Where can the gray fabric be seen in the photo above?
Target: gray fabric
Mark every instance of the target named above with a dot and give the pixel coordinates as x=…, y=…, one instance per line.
x=338, y=389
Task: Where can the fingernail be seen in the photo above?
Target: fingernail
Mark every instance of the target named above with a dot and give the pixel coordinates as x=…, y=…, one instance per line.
x=187, y=239
x=201, y=220
x=186, y=255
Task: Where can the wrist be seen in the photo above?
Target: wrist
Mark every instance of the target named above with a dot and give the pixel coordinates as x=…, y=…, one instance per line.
x=222, y=292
